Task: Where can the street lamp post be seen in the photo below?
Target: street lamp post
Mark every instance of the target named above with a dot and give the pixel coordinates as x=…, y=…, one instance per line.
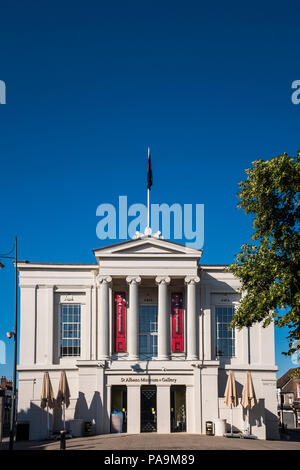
x=13, y=334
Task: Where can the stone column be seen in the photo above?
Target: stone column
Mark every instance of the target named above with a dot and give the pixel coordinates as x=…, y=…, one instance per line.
x=191, y=340
x=103, y=315
x=133, y=318
x=163, y=318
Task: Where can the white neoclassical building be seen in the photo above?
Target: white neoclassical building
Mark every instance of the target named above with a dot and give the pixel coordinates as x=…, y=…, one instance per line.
x=143, y=332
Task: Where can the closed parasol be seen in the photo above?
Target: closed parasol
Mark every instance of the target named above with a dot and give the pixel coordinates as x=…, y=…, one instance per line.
x=230, y=397
x=47, y=397
x=63, y=394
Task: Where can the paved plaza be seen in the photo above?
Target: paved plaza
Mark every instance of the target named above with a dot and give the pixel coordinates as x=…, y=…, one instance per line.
x=154, y=441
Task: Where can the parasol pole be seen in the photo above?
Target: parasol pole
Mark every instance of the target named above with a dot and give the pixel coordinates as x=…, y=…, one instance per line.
x=248, y=420
x=48, y=425
x=64, y=414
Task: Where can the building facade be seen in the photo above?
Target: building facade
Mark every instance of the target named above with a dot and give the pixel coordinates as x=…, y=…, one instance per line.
x=142, y=332
x=288, y=392
x=6, y=395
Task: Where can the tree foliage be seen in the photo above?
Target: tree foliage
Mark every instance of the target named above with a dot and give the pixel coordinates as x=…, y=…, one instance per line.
x=269, y=267
x=296, y=373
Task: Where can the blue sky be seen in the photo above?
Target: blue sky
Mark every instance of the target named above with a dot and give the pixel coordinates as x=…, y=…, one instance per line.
x=91, y=84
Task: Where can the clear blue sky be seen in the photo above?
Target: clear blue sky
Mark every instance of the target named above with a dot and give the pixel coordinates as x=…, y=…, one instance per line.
x=91, y=84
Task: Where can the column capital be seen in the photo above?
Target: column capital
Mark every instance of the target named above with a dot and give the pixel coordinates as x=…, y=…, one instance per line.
x=133, y=279
x=191, y=279
x=162, y=280
x=103, y=279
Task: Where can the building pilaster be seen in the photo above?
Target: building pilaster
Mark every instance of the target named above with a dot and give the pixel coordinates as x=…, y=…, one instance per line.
x=191, y=342
x=103, y=315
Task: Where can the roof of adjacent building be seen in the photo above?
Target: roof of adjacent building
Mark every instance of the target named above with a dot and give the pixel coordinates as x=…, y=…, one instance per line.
x=285, y=379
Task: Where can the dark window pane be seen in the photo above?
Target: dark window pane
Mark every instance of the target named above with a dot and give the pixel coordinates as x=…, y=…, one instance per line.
x=225, y=336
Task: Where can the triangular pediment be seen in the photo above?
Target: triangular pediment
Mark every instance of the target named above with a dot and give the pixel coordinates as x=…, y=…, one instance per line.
x=147, y=247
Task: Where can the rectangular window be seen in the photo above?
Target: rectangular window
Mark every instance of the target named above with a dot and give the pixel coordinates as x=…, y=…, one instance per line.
x=148, y=331
x=225, y=337
x=70, y=325
x=298, y=391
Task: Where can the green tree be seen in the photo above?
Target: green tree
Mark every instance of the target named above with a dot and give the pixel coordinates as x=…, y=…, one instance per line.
x=269, y=267
x=296, y=373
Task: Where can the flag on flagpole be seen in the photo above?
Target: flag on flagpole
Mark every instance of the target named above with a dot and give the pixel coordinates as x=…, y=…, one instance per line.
x=149, y=173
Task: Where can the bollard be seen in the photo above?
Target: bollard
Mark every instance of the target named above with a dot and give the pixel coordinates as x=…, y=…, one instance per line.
x=63, y=439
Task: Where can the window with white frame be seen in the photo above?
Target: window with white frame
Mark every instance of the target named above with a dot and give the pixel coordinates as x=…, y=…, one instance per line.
x=225, y=340
x=298, y=391
x=148, y=331
x=70, y=324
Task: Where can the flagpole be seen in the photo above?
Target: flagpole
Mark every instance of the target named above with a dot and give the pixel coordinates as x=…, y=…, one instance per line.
x=148, y=198
x=148, y=206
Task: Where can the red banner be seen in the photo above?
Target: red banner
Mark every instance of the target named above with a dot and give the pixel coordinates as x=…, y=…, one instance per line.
x=120, y=322
x=177, y=322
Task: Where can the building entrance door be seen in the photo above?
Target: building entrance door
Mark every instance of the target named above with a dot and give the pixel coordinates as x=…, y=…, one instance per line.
x=148, y=409
x=118, y=408
x=178, y=409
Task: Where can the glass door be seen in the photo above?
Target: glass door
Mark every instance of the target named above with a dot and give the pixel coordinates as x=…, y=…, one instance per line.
x=118, y=408
x=148, y=409
x=178, y=409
